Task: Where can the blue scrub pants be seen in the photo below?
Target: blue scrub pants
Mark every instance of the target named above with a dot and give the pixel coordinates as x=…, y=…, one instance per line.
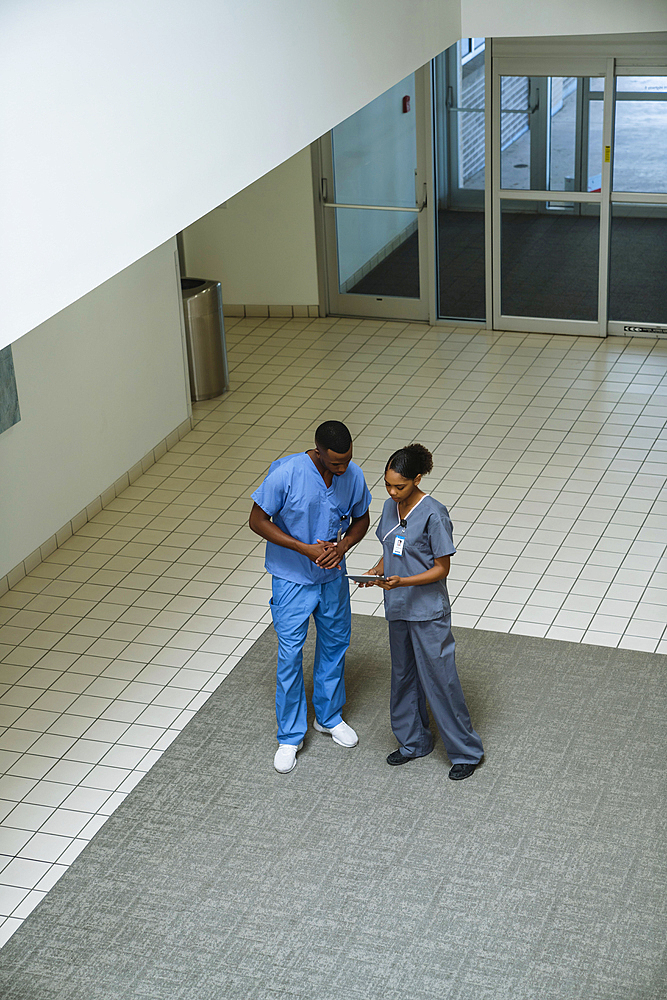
x=423, y=666
x=292, y=604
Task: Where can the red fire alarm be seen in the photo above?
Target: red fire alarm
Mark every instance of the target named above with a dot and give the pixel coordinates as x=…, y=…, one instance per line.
x=406, y=104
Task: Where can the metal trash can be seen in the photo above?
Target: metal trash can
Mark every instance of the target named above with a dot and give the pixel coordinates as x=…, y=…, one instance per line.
x=205, y=337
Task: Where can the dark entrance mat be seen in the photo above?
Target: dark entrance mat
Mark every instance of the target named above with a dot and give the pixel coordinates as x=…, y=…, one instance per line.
x=542, y=875
x=549, y=267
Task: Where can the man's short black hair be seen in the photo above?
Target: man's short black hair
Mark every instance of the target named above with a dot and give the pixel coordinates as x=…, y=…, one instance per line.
x=332, y=435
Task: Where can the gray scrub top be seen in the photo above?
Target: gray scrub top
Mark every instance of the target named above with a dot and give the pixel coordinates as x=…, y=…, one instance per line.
x=428, y=536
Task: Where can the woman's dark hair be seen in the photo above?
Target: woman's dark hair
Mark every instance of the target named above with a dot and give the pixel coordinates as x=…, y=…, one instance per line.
x=332, y=435
x=412, y=461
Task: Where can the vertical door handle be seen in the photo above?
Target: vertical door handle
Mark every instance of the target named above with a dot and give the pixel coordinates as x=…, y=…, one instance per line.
x=325, y=190
x=420, y=204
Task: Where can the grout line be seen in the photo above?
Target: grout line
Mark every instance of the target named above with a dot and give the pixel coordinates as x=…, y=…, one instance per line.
x=492, y=382
x=43, y=551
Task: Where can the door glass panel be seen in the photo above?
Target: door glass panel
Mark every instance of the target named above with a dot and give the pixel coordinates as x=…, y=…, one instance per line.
x=640, y=136
x=470, y=141
x=556, y=143
x=562, y=133
x=375, y=164
x=378, y=252
x=594, y=153
x=375, y=151
x=459, y=174
x=514, y=133
x=637, y=286
x=549, y=262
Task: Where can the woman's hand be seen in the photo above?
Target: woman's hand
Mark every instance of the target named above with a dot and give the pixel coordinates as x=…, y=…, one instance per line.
x=438, y=571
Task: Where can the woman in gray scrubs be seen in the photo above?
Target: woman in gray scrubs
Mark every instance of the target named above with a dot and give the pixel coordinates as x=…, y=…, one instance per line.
x=416, y=535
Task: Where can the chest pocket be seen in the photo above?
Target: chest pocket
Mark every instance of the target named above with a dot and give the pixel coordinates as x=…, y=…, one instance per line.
x=421, y=542
x=338, y=518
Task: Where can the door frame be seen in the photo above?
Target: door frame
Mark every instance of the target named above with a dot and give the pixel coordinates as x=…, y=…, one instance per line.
x=648, y=66
x=337, y=303
x=543, y=68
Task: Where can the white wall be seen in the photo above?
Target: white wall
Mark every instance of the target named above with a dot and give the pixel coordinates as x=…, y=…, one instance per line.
x=127, y=120
x=495, y=18
x=99, y=385
x=261, y=244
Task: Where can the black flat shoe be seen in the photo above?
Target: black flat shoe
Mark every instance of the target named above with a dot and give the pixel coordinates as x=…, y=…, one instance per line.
x=396, y=757
x=460, y=771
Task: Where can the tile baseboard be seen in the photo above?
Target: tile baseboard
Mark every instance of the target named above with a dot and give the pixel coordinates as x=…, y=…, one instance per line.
x=273, y=312
x=43, y=551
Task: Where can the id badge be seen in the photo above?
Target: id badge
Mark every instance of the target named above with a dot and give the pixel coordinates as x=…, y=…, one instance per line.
x=399, y=542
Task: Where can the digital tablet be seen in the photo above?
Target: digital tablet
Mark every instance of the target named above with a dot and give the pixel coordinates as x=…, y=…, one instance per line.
x=363, y=578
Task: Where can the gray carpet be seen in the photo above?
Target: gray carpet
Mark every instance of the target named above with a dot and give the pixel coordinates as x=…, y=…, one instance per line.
x=540, y=877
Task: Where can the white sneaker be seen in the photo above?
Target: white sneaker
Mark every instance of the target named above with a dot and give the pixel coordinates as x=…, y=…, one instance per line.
x=285, y=758
x=342, y=734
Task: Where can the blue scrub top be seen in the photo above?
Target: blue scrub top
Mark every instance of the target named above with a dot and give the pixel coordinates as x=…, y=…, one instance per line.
x=428, y=536
x=296, y=497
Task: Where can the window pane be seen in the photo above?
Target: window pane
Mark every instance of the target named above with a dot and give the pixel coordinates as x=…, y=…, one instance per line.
x=514, y=93
x=549, y=263
x=460, y=252
x=642, y=84
x=514, y=133
x=595, y=116
x=562, y=139
x=640, y=146
x=637, y=285
x=459, y=171
x=470, y=125
x=541, y=146
x=469, y=48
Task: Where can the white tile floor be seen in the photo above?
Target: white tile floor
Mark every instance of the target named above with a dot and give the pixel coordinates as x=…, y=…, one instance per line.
x=549, y=451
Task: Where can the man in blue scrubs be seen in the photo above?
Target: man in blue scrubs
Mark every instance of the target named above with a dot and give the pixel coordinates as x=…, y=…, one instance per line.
x=311, y=509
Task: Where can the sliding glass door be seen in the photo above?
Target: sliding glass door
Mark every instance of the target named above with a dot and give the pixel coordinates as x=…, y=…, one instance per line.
x=580, y=197
x=550, y=197
x=638, y=245
x=518, y=185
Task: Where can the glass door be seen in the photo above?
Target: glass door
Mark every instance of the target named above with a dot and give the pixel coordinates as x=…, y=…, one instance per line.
x=565, y=231
x=550, y=214
x=638, y=247
x=459, y=94
x=373, y=192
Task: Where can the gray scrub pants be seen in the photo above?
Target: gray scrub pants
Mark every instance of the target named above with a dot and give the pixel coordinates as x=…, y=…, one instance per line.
x=423, y=666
